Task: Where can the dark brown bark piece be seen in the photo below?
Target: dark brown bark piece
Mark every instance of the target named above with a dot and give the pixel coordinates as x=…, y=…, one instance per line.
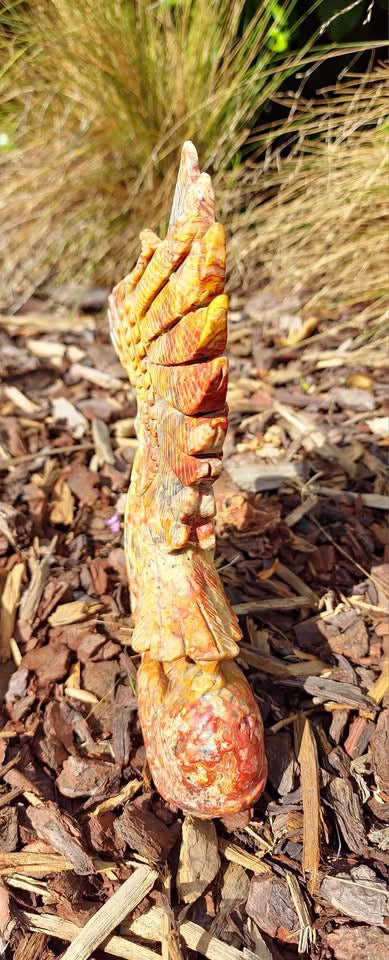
x=49, y=662
x=125, y=705
x=359, y=737
x=348, y=813
x=88, y=778
x=281, y=762
x=344, y=633
x=63, y=833
x=141, y=830
x=8, y=830
x=350, y=943
x=270, y=905
x=380, y=753
x=102, y=837
x=328, y=689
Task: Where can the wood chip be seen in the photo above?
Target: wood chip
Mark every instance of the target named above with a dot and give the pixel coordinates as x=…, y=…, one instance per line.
x=45, y=348
x=100, y=378
x=144, y=832
x=62, y=509
x=111, y=914
x=271, y=906
x=254, y=477
x=199, y=859
x=36, y=864
x=75, y=612
x=366, y=900
x=63, y=833
x=63, y=409
x=306, y=751
x=348, y=812
x=39, y=575
x=276, y=667
x=193, y=935
x=9, y=601
x=102, y=442
x=260, y=606
x=20, y=400
x=113, y=911
x=345, y=694
x=118, y=799
x=237, y=854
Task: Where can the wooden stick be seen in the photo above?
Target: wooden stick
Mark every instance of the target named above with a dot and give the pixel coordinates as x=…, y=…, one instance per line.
x=44, y=452
x=113, y=911
x=307, y=757
x=195, y=937
x=260, y=606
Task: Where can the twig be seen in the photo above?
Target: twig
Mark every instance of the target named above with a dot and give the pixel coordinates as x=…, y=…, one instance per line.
x=148, y=925
x=375, y=501
x=44, y=452
x=237, y=854
x=66, y=930
x=113, y=911
x=308, y=760
x=257, y=606
x=305, y=507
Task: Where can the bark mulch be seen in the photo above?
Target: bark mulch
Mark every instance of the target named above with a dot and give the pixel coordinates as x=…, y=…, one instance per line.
x=88, y=850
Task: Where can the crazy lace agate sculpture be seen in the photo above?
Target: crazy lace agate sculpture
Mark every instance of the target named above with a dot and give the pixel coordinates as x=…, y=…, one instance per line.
x=201, y=724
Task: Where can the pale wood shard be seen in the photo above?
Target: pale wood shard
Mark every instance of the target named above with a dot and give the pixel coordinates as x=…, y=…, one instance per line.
x=76, y=611
x=62, y=510
x=199, y=859
x=102, y=442
x=113, y=911
x=237, y=854
x=20, y=400
x=118, y=799
x=147, y=926
x=9, y=602
x=310, y=788
x=39, y=574
x=63, y=409
x=31, y=863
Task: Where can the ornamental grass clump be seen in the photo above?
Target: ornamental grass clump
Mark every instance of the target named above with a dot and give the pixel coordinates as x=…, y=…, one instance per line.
x=97, y=97
x=320, y=230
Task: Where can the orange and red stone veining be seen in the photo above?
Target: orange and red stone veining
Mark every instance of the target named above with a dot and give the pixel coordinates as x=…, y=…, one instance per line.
x=201, y=724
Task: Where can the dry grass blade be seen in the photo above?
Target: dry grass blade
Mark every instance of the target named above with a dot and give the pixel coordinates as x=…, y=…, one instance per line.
x=307, y=933
x=308, y=760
